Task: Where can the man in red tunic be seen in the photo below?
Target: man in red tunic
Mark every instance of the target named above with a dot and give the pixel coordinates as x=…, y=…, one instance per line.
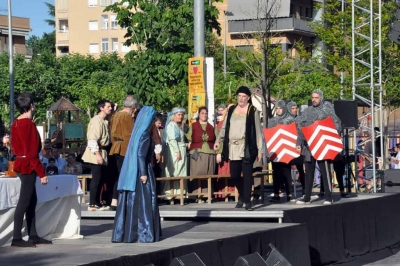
x=26, y=145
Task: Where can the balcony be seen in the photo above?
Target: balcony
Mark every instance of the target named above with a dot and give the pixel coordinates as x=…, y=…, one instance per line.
x=288, y=24
x=18, y=50
x=61, y=5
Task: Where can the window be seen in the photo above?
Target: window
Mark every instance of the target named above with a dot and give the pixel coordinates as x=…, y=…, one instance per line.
x=114, y=44
x=302, y=11
x=92, y=2
x=113, y=1
x=308, y=12
x=63, y=25
x=104, y=22
x=292, y=10
x=125, y=49
x=104, y=45
x=114, y=22
x=94, y=48
x=104, y=2
x=93, y=25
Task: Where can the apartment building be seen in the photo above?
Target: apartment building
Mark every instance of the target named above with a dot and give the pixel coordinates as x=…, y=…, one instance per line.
x=83, y=27
x=20, y=29
x=238, y=19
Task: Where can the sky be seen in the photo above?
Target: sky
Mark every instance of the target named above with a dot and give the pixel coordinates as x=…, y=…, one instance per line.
x=35, y=10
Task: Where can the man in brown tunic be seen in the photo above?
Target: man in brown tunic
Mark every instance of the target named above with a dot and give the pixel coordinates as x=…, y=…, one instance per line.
x=121, y=130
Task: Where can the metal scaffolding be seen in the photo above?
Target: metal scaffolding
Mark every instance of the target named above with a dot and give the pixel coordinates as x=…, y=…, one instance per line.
x=367, y=66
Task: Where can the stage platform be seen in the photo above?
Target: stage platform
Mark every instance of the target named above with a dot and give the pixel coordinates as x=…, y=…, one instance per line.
x=225, y=210
x=350, y=228
x=216, y=243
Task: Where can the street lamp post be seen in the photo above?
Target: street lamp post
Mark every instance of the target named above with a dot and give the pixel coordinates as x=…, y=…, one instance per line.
x=11, y=62
x=225, y=24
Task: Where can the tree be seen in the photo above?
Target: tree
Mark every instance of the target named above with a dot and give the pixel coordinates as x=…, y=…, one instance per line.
x=45, y=44
x=262, y=63
x=162, y=34
x=52, y=13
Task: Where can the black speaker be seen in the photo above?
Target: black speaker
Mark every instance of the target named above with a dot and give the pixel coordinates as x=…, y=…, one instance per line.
x=394, y=34
x=347, y=112
x=251, y=260
x=190, y=259
x=275, y=258
x=391, y=181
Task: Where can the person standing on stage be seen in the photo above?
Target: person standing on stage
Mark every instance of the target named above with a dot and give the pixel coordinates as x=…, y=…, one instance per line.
x=137, y=218
x=281, y=172
x=339, y=165
x=174, y=151
x=299, y=161
x=201, y=136
x=120, y=132
x=26, y=145
x=318, y=111
x=242, y=145
x=98, y=136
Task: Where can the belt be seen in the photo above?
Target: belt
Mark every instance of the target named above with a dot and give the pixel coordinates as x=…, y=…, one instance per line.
x=101, y=147
x=236, y=142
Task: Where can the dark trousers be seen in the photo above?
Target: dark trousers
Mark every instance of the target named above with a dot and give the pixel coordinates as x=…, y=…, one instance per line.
x=26, y=205
x=281, y=173
x=302, y=176
x=244, y=184
x=120, y=162
x=325, y=177
x=95, y=184
x=339, y=167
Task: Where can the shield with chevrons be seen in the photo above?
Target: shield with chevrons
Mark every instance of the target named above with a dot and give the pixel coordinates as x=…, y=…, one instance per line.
x=323, y=139
x=281, y=143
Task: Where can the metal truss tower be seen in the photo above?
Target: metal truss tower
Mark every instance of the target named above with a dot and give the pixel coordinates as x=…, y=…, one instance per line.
x=367, y=65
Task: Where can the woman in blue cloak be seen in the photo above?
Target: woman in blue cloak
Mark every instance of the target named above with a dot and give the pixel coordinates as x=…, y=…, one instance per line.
x=137, y=218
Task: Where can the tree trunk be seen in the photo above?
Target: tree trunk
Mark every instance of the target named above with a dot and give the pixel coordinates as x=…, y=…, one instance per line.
x=88, y=113
x=264, y=82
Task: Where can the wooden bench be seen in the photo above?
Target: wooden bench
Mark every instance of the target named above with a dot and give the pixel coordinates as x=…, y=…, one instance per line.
x=209, y=192
x=83, y=178
x=199, y=194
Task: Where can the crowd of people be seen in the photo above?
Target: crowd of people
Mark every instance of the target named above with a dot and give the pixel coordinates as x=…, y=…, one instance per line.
x=128, y=149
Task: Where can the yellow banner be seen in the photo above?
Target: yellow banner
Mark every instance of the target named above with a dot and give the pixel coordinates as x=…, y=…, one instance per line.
x=196, y=100
x=197, y=92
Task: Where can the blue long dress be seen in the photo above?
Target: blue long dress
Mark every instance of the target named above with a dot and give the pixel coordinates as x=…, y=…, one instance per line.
x=137, y=218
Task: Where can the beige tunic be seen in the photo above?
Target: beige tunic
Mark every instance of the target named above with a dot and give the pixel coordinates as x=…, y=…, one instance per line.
x=237, y=135
x=98, y=131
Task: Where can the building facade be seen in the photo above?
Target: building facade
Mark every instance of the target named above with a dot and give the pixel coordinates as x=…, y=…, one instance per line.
x=20, y=29
x=241, y=20
x=83, y=27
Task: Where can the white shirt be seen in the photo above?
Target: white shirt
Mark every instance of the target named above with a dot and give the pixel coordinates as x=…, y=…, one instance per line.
x=397, y=165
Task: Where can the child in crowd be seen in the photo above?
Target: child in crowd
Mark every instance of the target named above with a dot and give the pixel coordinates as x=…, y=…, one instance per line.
x=51, y=169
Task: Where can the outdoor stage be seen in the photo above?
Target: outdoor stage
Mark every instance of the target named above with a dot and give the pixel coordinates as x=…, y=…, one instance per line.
x=352, y=228
x=216, y=243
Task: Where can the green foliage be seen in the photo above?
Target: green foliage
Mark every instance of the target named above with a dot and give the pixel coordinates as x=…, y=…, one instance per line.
x=52, y=13
x=162, y=31
x=335, y=32
x=43, y=45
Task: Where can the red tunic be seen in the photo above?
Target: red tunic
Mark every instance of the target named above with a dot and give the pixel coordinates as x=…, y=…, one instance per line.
x=197, y=133
x=26, y=145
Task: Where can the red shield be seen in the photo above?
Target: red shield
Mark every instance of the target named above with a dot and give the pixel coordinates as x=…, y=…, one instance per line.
x=281, y=142
x=323, y=139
